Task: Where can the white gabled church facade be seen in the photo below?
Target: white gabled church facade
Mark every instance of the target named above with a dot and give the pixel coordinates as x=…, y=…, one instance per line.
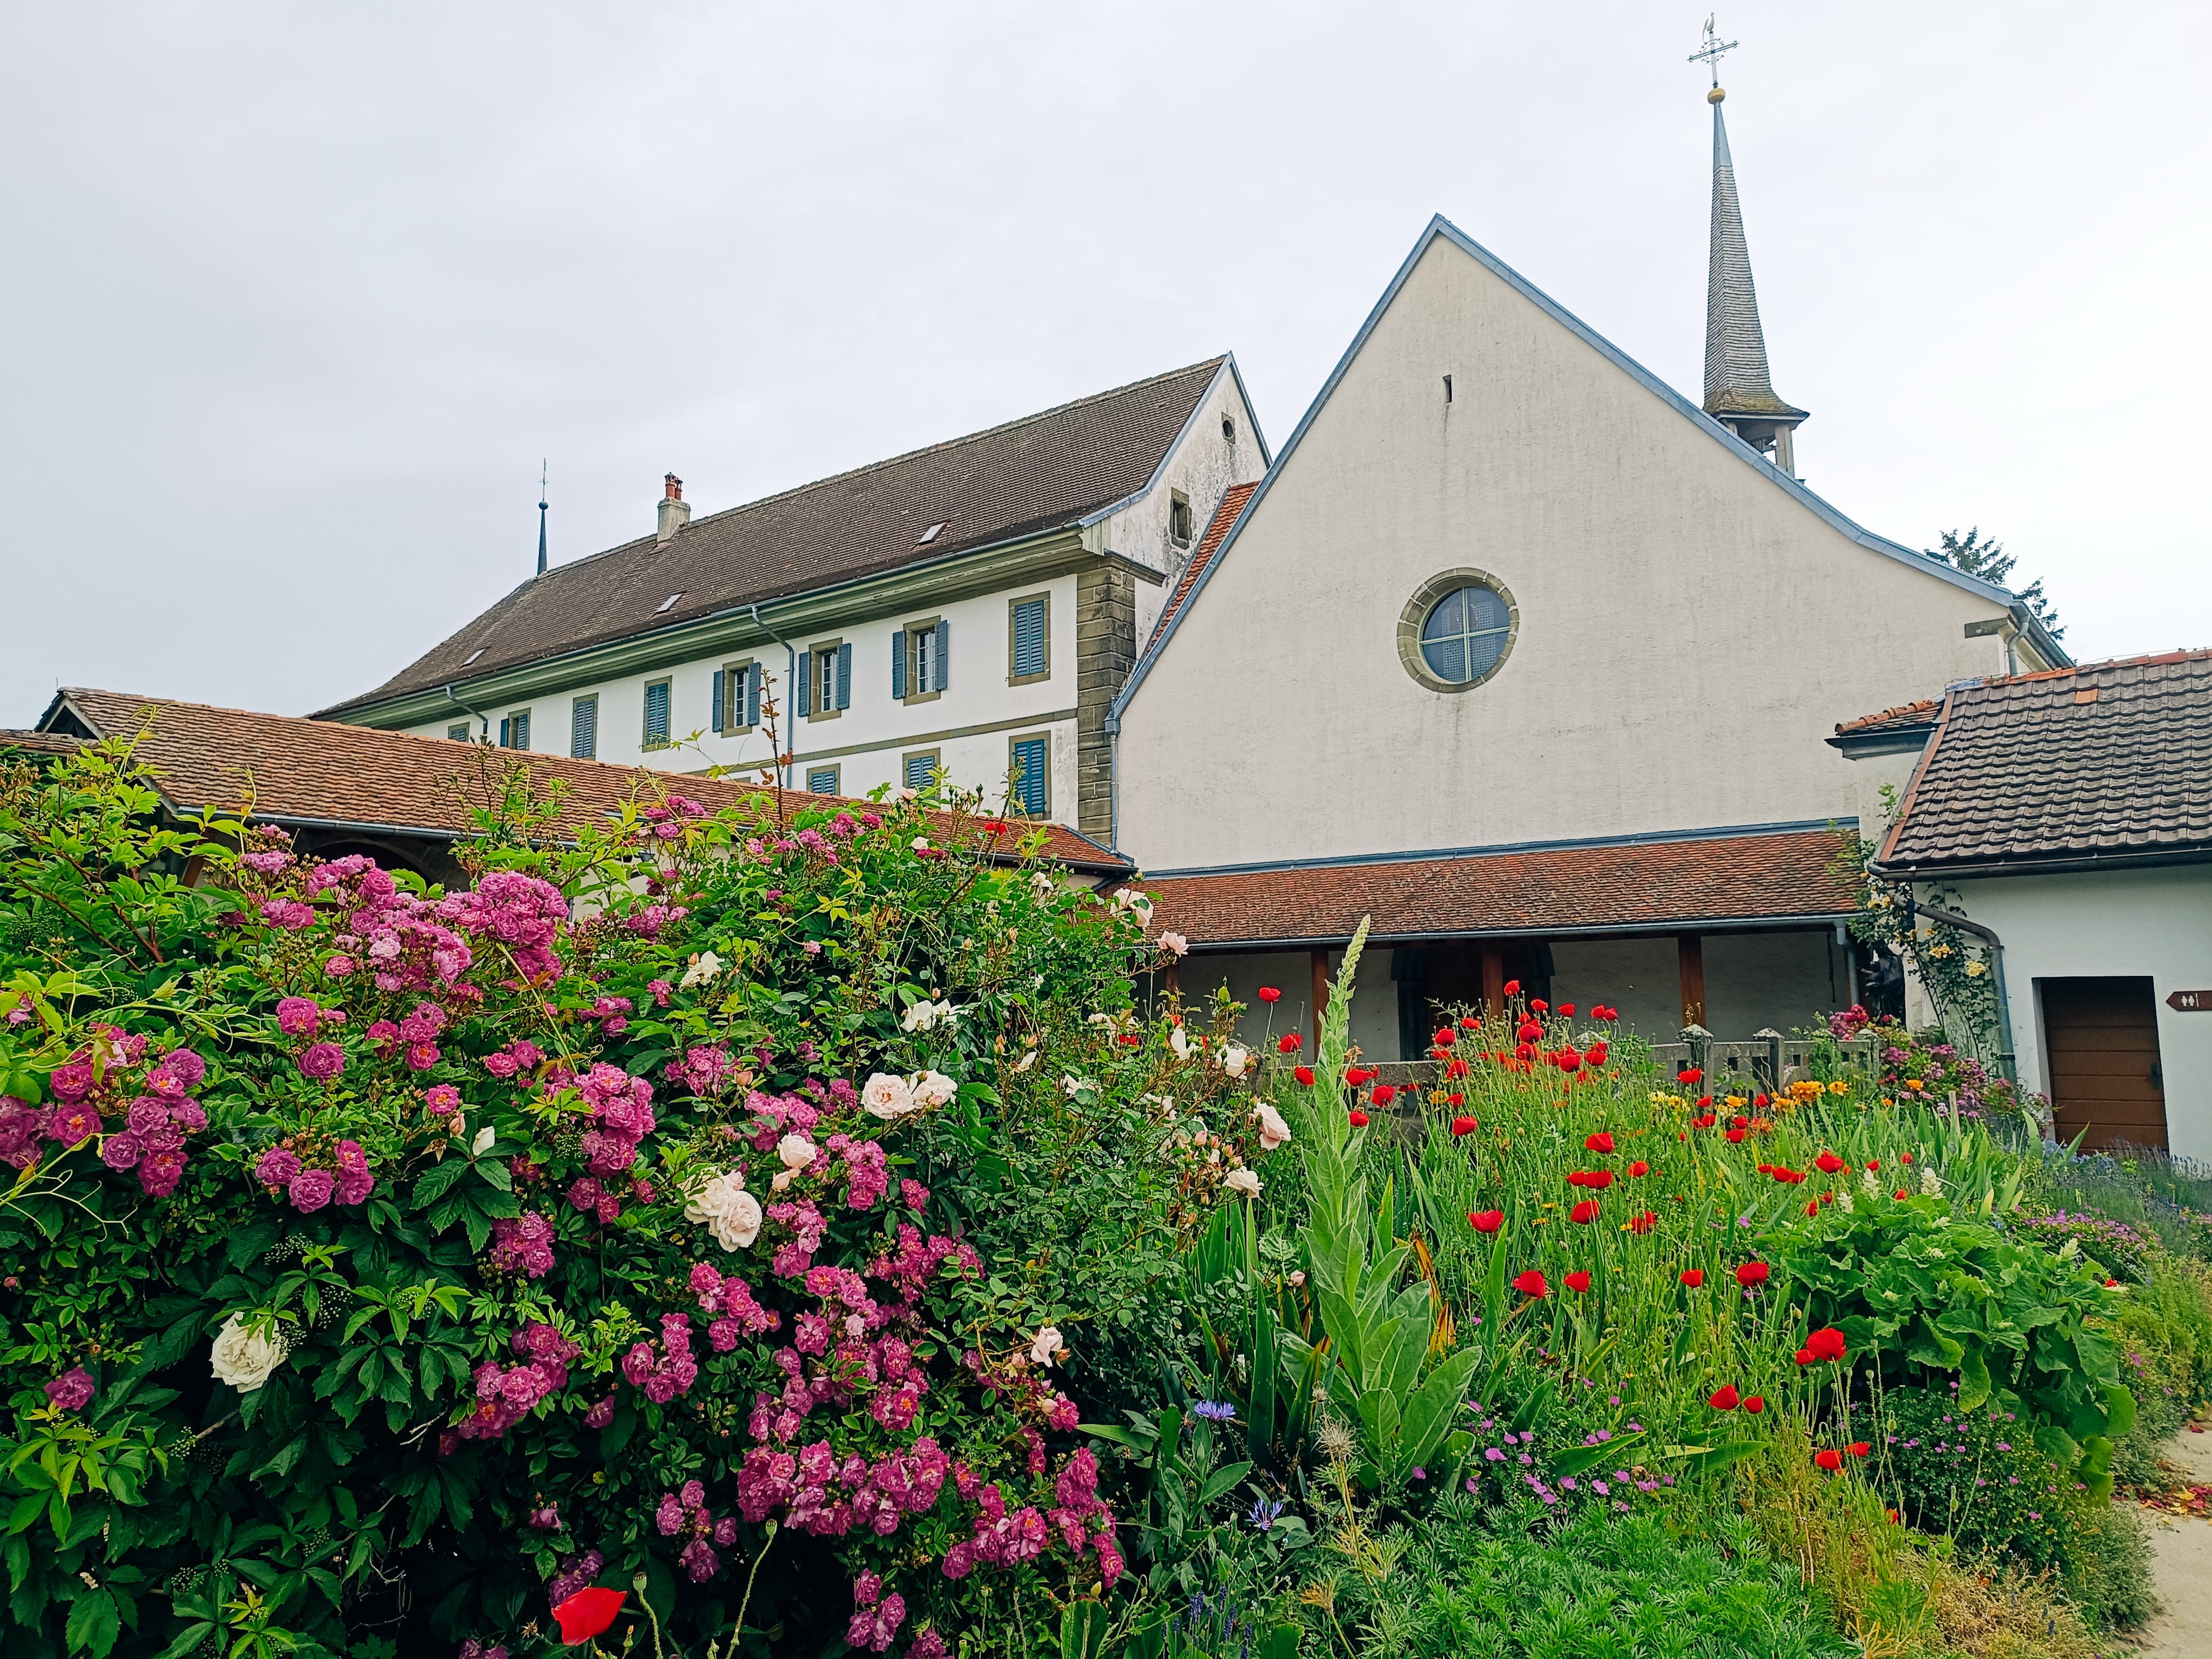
x=1504, y=595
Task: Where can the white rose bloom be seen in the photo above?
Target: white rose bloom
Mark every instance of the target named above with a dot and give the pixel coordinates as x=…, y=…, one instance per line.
x=906, y=793
x=1242, y=1180
x=1047, y=1344
x=918, y=1017
x=244, y=1359
x=1274, y=1131
x=1176, y=943
x=482, y=1143
x=703, y=968
x=1234, y=1059
x=730, y=1213
x=1129, y=899
x=1076, y=1085
x=797, y=1152
x=1026, y=1061
x=921, y=843
x=1044, y=884
x=1179, y=1041
x=934, y=1089
x=886, y=1097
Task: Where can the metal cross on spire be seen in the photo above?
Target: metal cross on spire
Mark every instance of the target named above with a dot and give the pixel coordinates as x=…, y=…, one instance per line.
x=1713, y=50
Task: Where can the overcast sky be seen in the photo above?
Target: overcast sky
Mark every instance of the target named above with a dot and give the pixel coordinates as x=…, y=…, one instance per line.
x=296, y=297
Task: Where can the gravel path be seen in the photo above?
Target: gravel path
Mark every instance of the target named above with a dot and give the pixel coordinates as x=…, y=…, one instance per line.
x=2181, y=1553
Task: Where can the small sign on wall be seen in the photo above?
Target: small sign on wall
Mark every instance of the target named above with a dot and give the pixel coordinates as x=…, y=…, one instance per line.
x=2190, y=1002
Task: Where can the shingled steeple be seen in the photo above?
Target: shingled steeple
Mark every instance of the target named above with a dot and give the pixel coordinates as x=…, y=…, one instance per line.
x=1738, y=393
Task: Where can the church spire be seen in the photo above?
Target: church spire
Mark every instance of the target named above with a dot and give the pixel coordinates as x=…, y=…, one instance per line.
x=541, y=518
x=1738, y=391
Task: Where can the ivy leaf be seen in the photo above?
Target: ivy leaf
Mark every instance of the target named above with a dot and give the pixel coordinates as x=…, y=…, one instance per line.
x=93, y=1621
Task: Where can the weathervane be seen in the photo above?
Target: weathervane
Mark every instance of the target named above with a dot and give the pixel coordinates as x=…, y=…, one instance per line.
x=1711, y=52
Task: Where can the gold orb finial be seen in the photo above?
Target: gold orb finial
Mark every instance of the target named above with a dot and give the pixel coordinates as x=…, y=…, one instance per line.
x=1716, y=94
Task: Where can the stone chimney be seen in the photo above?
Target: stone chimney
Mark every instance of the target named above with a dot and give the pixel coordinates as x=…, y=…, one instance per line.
x=675, y=511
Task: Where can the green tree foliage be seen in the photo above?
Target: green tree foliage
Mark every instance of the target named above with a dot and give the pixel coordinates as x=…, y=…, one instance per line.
x=1989, y=560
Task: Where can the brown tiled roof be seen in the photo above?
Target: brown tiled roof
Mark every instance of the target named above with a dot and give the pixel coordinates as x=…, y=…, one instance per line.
x=1225, y=520
x=1029, y=476
x=306, y=771
x=1903, y=717
x=2106, y=762
x=1701, y=880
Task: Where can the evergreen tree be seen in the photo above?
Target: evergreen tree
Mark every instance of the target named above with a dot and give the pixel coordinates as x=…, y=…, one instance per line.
x=1989, y=560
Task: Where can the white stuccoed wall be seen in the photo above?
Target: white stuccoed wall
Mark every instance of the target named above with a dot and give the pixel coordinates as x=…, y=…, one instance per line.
x=1686, y=624
x=2155, y=921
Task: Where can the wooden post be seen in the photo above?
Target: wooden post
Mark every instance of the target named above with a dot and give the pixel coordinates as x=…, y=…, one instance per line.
x=1320, y=995
x=1493, y=978
x=1171, y=978
x=1690, y=949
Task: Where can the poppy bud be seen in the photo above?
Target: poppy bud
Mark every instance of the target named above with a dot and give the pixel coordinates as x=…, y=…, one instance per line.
x=1269, y=994
x=1579, y=1282
x=1485, y=1221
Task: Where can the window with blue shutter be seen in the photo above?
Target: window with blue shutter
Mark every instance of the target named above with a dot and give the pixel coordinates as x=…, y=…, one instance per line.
x=898, y=664
x=514, y=730
x=656, y=714
x=822, y=779
x=942, y=680
x=458, y=733
x=919, y=769
x=584, y=728
x=1028, y=786
x=806, y=682
x=1030, y=647
x=752, y=694
x=722, y=708
x=844, y=677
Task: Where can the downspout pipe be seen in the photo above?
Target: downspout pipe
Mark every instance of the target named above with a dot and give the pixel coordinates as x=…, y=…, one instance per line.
x=790, y=693
x=483, y=721
x=1988, y=936
x=1113, y=782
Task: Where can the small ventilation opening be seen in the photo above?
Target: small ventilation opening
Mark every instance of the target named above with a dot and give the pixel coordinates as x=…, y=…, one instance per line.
x=1446, y=388
x=1228, y=431
x=930, y=534
x=668, y=604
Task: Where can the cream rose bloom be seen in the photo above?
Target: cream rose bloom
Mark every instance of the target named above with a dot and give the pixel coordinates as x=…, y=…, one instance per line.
x=1234, y=1059
x=797, y=1152
x=704, y=967
x=1242, y=1180
x=1274, y=1131
x=1179, y=1041
x=244, y=1359
x=886, y=1097
x=933, y=1088
x=1174, y=944
x=730, y=1213
x=1046, y=1345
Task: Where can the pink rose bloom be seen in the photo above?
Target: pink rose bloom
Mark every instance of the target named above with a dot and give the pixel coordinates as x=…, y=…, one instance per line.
x=321, y=1061
x=311, y=1190
x=159, y=1171
x=120, y=1151
x=71, y=1390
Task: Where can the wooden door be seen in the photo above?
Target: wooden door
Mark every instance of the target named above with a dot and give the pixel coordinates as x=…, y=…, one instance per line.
x=2101, y=1038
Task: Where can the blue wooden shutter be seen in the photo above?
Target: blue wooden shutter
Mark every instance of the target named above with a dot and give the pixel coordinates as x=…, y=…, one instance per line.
x=943, y=656
x=1031, y=756
x=752, y=694
x=806, y=682
x=844, y=677
x=504, y=724
x=1029, y=637
x=656, y=712
x=584, y=729
x=918, y=769
x=898, y=663
x=721, y=679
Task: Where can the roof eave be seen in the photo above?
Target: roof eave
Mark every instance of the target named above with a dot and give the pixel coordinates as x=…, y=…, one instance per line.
x=2056, y=864
x=1795, y=920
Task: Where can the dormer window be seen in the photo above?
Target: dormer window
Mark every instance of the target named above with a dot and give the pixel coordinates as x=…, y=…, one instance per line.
x=1179, y=519
x=666, y=604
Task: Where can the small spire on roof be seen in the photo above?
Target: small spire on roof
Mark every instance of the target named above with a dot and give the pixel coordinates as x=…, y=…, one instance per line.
x=541, y=518
x=1738, y=390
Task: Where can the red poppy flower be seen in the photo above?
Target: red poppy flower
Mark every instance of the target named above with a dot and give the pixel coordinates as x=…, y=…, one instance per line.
x=1600, y=1142
x=1694, y=1276
x=1305, y=1076
x=1727, y=1400
x=1874, y=1163
x=1907, y=1157
x=1751, y=1273
x=1640, y=1225
x=1759, y=1101
x=1485, y=1221
x=995, y=826
x=1596, y=1055
x=1511, y=988
x=1900, y=1192
x=1568, y=1060
x=1384, y=1094
x=1532, y=1283
x=1578, y=1283
x=1692, y=1075
x=1639, y=1168
x=1566, y=1011
x=1468, y=1021
x=1804, y=1355
x=1735, y=1137
x=1754, y=1405
x=587, y=1614
x=1130, y=1039
x=1359, y=1118
x=1827, y=1343
x=1269, y=994
x=1828, y=1459
x=1446, y=1037
x=1584, y=1212
x=1291, y=1043
x=1704, y=1122
x=1829, y=1163
x=1858, y=1448
x=1538, y=1004
x=1456, y=1101
x=1813, y=1208
x=1457, y=1068
x=1525, y=1053
x=1527, y=1030
x=1463, y=1125
x=1608, y=1013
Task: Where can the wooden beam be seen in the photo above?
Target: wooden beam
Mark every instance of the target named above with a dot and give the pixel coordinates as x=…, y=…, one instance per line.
x=1493, y=978
x=1690, y=949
